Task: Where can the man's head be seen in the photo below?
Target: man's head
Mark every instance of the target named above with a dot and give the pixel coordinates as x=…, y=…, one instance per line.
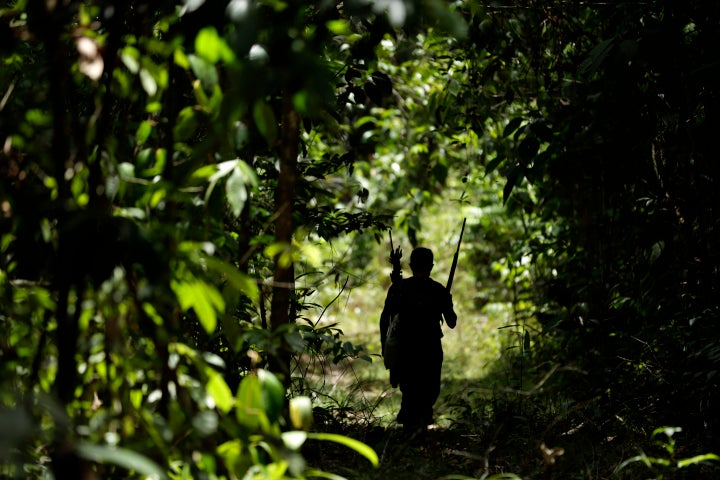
x=421, y=261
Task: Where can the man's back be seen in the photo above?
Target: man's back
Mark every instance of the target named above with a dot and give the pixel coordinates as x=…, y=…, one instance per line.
x=417, y=306
x=421, y=305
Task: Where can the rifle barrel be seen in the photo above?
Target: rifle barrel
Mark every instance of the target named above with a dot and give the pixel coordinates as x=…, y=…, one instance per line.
x=455, y=257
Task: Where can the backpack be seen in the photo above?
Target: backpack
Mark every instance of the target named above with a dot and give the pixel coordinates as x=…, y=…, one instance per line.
x=391, y=350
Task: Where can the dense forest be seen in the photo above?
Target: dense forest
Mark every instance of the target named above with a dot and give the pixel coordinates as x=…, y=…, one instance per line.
x=196, y=204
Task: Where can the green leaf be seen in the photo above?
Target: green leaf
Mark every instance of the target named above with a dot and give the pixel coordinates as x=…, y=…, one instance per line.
x=148, y=82
x=265, y=121
x=238, y=280
x=206, y=422
x=312, y=473
x=218, y=389
x=597, y=56
x=130, y=57
x=204, y=71
x=339, y=27
x=192, y=5
x=186, y=124
x=204, y=299
x=217, y=171
x=511, y=126
x=236, y=191
x=449, y=20
x=697, y=459
x=494, y=163
x=273, y=394
x=241, y=135
x=180, y=59
x=143, y=132
x=211, y=47
x=513, y=179
x=301, y=413
x=528, y=148
x=283, y=251
x=249, y=408
x=351, y=443
x=122, y=457
x=294, y=439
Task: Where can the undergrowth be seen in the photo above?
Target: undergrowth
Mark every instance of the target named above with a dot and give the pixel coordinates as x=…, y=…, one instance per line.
x=503, y=413
x=507, y=408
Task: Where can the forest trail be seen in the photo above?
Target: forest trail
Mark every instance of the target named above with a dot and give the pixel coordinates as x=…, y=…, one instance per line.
x=438, y=453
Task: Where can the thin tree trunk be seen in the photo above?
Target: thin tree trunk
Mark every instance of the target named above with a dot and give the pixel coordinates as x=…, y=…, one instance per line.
x=284, y=277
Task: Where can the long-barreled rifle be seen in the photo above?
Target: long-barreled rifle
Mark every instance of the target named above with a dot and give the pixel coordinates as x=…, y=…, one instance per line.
x=455, y=258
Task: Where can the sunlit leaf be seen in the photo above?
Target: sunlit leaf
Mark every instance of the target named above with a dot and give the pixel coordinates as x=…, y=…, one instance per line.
x=130, y=57
x=219, y=391
x=204, y=299
x=90, y=61
x=121, y=457
x=351, y=443
x=339, y=27
x=294, y=439
x=211, y=47
x=192, y=5
x=143, y=132
x=686, y=462
x=238, y=10
x=301, y=413
x=258, y=54
x=148, y=82
x=181, y=60
x=236, y=190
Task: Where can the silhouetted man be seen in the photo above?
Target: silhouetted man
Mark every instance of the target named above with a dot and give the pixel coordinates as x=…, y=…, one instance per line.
x=422, y=303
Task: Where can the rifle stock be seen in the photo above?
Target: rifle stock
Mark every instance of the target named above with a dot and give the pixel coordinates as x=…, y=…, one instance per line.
x=455, y=258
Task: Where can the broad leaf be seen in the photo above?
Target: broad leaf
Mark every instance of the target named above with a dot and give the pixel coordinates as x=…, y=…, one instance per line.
x=203, y=298
x=356, y=445
x=122, y=457
x=219, y=391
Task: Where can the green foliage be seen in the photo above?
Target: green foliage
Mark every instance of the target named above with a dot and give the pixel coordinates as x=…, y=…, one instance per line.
x=667, y=465
x=169, y=170
x=138, y=199
x=594, y=144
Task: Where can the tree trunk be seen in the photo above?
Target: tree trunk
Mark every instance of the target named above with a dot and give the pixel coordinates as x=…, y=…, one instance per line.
x=284, y=277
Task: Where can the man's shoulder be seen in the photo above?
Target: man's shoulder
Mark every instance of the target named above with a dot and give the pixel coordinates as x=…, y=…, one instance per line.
x=435, y=285
x=426, y=285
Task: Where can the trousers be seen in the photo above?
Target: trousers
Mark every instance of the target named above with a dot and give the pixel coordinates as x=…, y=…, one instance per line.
x=419, y=380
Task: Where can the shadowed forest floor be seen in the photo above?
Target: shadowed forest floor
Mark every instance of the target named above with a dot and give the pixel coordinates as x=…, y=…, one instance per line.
x=506, y=450
x=487, y=430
